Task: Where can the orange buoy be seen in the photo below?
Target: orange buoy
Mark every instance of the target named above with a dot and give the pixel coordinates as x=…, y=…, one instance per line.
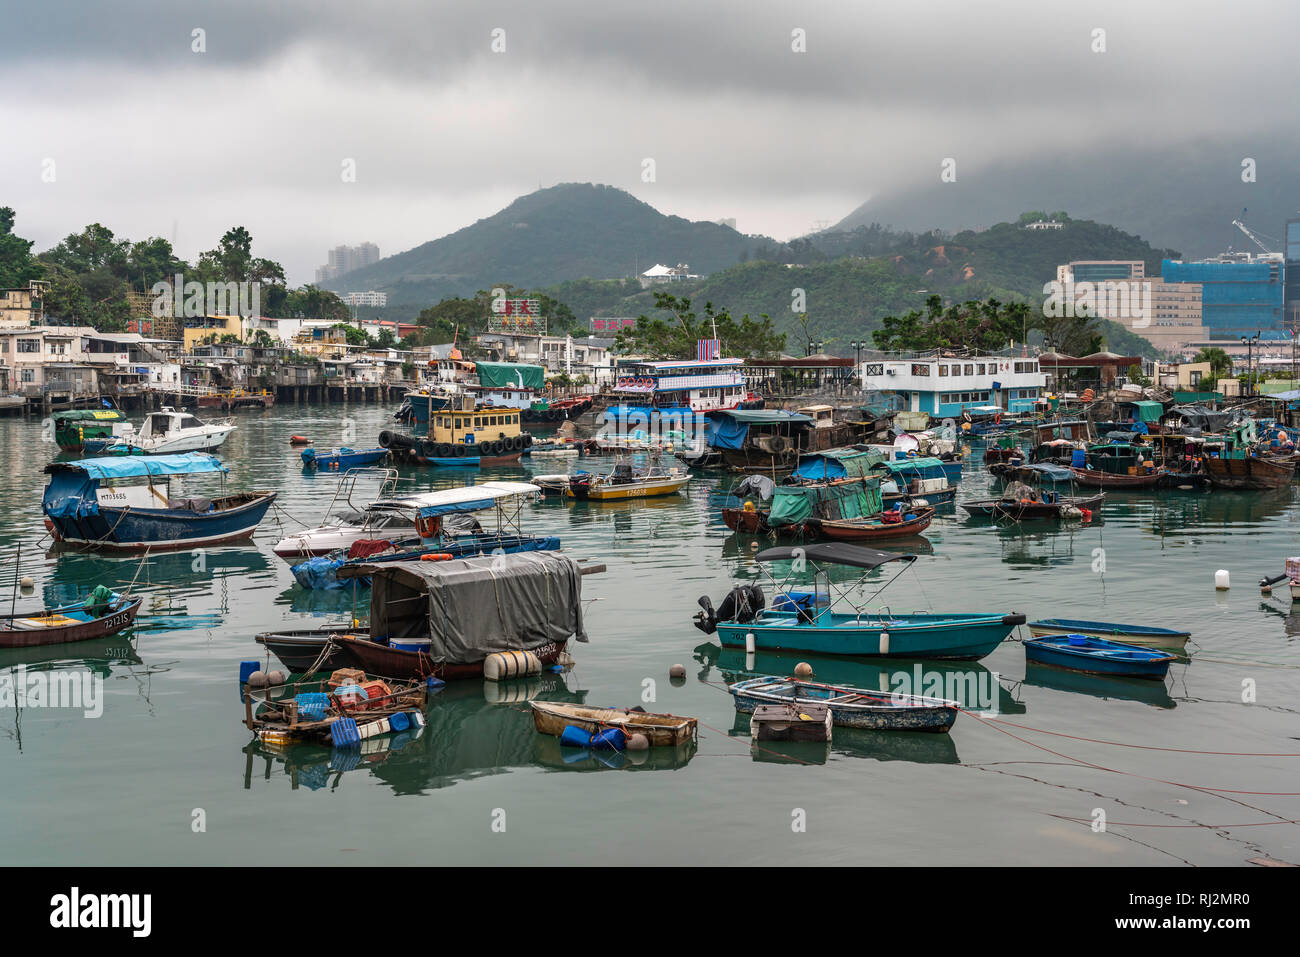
x=299, y=440
x=437, y=557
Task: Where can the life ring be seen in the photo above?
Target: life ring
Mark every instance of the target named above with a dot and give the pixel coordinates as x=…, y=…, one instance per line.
x=997, y=418
x=427, y=525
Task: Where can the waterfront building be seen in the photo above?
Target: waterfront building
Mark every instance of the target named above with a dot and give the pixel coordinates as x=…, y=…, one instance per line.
x=944, y=386
x=24, y=306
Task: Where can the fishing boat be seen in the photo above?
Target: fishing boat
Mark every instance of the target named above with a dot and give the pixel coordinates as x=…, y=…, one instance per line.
x=624, y=482
x=101, y=614
x=1255, y=472
x=1129, y=634
x=168, y=432
x=1019, y=502
x=446, y=618
x=1095, y=478
x=849, y=707
x=893, y=523
x=342, y=710
x=90, y=430
x=812, y=622
x=1098, y=656
x=662, y=730
x=555, y=485
x=796, y=507
x=341, y=459
x=389, y=517
x=445, y=528
x=136, y=503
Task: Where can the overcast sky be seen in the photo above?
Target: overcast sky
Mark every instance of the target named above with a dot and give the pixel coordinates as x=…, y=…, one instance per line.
x=150, y=138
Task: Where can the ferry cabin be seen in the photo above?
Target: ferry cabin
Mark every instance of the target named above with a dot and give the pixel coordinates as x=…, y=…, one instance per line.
x=944, y=387
x=695, y=385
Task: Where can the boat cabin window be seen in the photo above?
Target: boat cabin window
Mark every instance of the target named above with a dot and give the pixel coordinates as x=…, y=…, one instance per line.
x=189, y=422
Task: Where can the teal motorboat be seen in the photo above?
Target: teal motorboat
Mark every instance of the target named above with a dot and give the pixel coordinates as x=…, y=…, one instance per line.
x=830, y=621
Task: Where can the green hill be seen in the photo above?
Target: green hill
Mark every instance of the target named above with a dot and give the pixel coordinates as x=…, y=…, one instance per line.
x=569, y=231
x=846, y=297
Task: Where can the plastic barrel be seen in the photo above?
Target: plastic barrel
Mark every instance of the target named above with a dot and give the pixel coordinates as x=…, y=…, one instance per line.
x=399, y=721
x=246, y=668
x=344, y=733
x=575, y=737
x=412, y=644
x=610, y=739
x=1078, y=457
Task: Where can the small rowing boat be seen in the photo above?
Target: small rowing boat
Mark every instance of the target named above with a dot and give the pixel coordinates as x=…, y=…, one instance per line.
x=1145, y=635
x=1098, y=656
x=662, y=730
x=876, y=527
x=850, y=707
x=100, y=615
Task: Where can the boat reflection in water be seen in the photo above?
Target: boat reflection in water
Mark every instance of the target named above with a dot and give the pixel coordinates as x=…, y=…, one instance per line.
x=1174, y=512
x=99, y=655
x=917, y=747
x=554, y=756
x=1153, y=693
x=473, y=730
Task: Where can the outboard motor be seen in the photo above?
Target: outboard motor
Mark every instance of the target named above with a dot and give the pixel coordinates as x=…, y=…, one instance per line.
x=742, y=605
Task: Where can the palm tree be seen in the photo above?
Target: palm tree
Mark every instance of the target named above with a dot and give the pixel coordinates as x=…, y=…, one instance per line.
x=1220, y=362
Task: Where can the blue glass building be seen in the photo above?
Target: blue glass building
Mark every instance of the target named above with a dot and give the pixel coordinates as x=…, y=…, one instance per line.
x=1237, y=298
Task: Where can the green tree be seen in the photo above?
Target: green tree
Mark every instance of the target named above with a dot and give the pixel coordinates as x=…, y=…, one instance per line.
x=674, y=336
x=1220, y=362
x=17, y=267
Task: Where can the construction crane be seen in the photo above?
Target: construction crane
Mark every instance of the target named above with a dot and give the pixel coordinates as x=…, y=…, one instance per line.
x=1249, y=233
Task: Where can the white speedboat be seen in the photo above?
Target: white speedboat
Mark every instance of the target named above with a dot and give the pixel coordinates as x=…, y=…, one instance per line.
x=167, y=431
x=389, y=518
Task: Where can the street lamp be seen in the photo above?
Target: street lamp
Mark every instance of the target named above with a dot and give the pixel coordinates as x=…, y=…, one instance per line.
x=1249, y=342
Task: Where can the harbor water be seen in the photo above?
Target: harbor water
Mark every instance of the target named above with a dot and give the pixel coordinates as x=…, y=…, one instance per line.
x=1197, y=770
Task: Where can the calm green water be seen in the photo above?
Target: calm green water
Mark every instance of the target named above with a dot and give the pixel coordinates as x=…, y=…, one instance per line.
x=122, y=788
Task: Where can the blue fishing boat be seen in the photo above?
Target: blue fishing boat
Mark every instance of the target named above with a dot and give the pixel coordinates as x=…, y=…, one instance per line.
x=341, y=459
x=816, y=624
x=1098, y=656
x=136, y=503
x=1145, y=635
x=849, y=707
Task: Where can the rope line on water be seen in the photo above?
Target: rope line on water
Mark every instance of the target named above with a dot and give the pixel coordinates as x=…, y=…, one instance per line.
x=1102, y=767
x=1143, y=747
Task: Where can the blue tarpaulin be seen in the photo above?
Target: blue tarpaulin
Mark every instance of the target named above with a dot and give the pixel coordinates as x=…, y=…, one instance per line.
x=726, y=433
x=138, y=466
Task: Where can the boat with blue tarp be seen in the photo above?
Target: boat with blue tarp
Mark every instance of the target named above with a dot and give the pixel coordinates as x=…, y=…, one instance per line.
x=816, y=624
x=341, y=459
x=1098, y=656
x=138, y=503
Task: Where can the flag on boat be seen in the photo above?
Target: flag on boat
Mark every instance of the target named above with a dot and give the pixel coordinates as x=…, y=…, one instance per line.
x=708, y=349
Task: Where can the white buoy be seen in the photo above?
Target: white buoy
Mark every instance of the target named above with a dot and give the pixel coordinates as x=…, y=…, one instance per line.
x=1221, y=580
x=803, y=670
x=749, y=642
x=638, y=742
x=27, y=582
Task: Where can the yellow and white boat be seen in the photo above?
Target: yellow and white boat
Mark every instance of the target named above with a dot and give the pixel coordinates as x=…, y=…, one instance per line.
x=625, y=482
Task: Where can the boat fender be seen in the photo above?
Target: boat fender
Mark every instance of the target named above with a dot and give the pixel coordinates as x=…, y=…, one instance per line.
x=884, y=642
x=504, y=665
x=1013, y=619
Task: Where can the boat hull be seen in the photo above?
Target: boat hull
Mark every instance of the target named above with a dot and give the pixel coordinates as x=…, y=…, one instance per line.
x=1021, y=511
x=751, y=522
x=967, y=638
x=1092, y=478
x=101, y=627
x=156, y=530
x=393, y=663
x=342, y=461
x=614, y=493
x=1250, y=473
x=1129, y=634
x=870, y=530
x=887, y=713
x=1149, y=665
x=662, y=730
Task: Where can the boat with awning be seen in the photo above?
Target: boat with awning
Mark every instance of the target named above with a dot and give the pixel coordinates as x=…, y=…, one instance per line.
x=139, y=503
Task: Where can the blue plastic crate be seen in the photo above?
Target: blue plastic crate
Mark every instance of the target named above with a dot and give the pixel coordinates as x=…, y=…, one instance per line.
x=312, y=705
x=344, y=734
